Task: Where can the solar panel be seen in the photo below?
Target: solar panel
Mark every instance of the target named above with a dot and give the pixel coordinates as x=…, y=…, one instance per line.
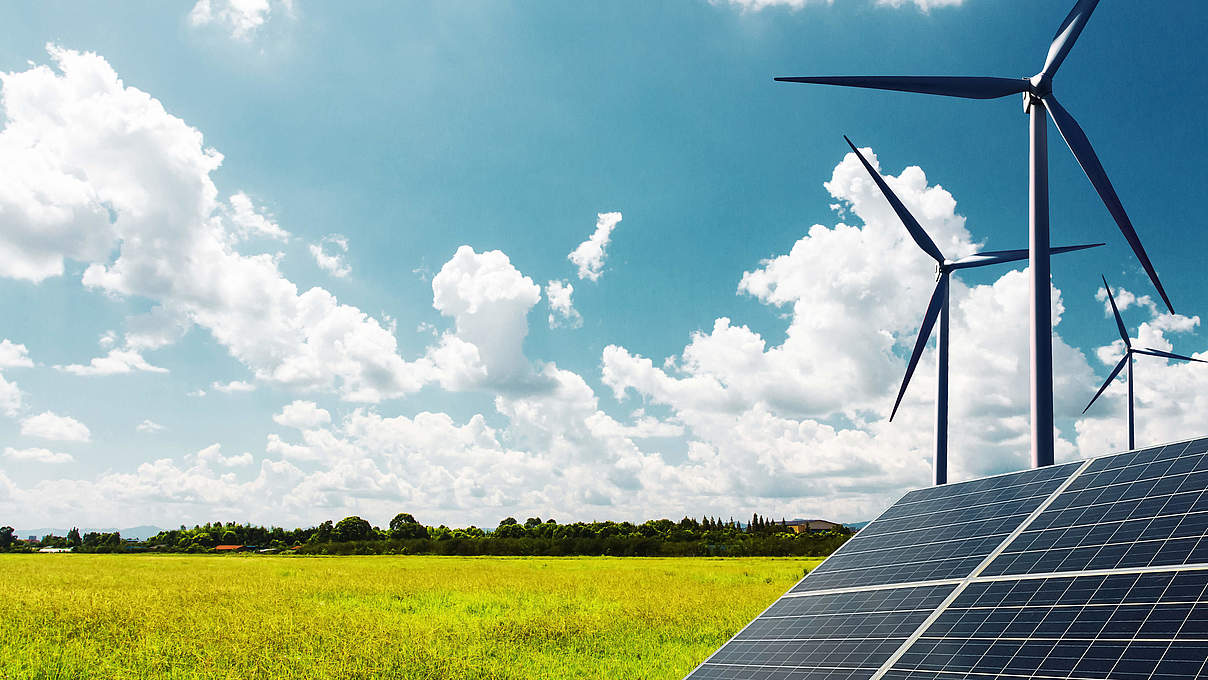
x=1086, y=571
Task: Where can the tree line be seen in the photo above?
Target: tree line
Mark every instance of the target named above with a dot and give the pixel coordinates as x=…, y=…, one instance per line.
x=707, y=536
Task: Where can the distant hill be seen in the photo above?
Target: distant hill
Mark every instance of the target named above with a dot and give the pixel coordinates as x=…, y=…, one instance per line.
x=141, y=533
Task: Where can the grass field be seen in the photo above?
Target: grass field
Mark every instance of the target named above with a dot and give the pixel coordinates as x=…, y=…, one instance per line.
x=161, y=616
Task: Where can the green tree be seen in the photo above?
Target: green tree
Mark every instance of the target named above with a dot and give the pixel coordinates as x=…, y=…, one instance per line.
x=73, y=537
x=353, y=528
x=512, y=530
x=6, y=538
x=323, y=534
x=404, y=526
x=402, y=518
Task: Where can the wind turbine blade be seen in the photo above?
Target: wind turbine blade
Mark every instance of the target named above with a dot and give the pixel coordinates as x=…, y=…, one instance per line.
x=1115, y=372
x=989, y=257
x=967, y=87
x=1119, y=321
x=1067, y=35
x=1076, y=139
x=933, y=311
x=912, y=225
x=1167, y=355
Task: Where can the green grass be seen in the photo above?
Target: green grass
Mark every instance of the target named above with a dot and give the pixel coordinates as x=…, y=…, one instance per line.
x=159, y=616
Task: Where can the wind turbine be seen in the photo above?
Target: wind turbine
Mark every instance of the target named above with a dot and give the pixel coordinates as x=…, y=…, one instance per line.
x=937, y=309
x=1038, y=97
x=1129, y=351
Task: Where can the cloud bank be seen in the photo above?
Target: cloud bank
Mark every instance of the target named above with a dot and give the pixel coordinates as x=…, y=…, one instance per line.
x=731, y=423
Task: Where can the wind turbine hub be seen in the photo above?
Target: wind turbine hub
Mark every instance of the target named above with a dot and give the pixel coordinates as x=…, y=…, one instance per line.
x=1042, y=85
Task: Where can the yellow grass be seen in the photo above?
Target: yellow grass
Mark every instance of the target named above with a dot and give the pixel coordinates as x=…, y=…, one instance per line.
x=157, y=616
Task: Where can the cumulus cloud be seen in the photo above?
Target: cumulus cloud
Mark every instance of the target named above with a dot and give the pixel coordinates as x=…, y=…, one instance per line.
x=233, y=386
x=115, y=362
x=243, y=19
x=94, y=167
x=589, y=255
x=488, y=300
x=11, y=398
x=247, y=222
x=212, y=455
x=329, y=254
x=12, y=355
x=37, y=455
x=562, y=310
x=149, y=426
x=48, y=425
x=731, y=424
x=854, y=296
x=302, y=415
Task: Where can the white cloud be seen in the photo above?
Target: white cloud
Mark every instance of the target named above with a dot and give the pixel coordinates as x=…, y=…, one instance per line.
x=855, y=295
x=302, y=415
x=278, y=446
x=732, y=424
x=196, y=393
x=149, y=426
x=589, y=255
x=117, y=361
x=11, y=398
x=13, y=355
x=48, y=425
x=37, y=455
x=243, y=19
x=242, y=460
x=247, y=222
x=329, y=254
x=489, y=300
x=233, y=386
x=923, y=5
x=562, y=310
x=95, y=167
x=212, y=455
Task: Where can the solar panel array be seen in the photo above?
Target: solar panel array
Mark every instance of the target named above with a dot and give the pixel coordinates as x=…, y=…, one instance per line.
x=1087, y=571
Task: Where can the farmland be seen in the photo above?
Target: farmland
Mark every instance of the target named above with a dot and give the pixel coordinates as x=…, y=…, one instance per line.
x=175, y=616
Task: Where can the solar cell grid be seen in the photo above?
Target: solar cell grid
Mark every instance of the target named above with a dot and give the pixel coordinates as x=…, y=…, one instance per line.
x=1156, y=516
x=926, y=543
x=1141, y=625
x=985, y=491
x=940, y=520
x=852, y=632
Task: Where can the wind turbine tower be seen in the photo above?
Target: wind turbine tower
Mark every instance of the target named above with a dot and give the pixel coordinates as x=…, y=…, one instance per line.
x=1038, y=99
x=937, y=310
x=1127, y=360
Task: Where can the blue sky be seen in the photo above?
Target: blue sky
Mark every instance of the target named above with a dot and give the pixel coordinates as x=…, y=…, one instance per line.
x=729, y=357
